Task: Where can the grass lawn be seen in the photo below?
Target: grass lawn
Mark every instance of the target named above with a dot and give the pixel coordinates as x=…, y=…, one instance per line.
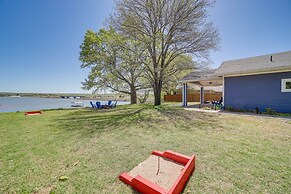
x=235, y=153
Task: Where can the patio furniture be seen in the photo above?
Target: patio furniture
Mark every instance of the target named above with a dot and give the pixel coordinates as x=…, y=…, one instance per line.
x=109, y=102
x=92, y=105
x=98, y=105
x=113, y=105
x=218, y=104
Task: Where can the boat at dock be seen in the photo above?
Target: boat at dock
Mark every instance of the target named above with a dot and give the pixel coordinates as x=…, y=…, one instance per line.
x=77, y=104
x=15, y=96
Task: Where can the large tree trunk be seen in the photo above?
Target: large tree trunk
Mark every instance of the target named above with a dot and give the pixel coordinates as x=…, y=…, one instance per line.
x=157, y=93
x=133, y=97
x=157, y=98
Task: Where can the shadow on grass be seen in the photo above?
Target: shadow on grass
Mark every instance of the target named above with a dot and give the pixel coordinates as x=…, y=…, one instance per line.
x=133, y=191
x=190, y=118
x=89, y=121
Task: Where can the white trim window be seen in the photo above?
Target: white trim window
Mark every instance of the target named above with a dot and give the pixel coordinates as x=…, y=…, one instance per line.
x=286, y=85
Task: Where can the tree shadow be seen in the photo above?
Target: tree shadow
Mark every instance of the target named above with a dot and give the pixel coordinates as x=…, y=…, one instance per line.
x=133, y=191
x=201, y=119
x=88, y=121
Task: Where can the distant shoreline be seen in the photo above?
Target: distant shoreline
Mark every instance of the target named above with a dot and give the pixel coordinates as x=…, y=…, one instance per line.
x=96, y=97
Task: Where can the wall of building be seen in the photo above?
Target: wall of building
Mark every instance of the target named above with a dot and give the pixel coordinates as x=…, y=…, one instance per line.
x=262, y=91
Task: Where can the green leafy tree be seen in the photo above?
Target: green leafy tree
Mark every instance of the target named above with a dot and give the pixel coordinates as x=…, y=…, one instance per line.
x=116, y=62
x=167, y=29
x=180, y=67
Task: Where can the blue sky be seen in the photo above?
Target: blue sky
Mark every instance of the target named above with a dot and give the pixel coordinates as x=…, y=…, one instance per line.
x=40, y=39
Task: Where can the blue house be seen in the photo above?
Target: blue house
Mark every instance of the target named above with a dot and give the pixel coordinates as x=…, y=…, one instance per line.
x=256, y=82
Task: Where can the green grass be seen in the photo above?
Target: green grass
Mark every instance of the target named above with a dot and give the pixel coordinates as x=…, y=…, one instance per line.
x=235, y=153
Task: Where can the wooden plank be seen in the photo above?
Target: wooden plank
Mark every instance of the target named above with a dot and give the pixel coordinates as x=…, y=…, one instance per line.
x=193, y=97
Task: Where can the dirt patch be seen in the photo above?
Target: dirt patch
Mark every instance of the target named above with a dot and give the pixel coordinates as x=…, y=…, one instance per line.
x=46, y=190
x=169, y=171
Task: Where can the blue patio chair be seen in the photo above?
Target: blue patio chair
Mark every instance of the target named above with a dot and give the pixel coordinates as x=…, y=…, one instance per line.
x=113, y=105
x=109, y=102
x=92, y=105
x=98, y=105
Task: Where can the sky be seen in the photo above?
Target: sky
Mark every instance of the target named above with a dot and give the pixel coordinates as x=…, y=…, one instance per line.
x=40, y=39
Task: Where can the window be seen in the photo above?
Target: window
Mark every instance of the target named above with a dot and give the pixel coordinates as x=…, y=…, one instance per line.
x=286, y=85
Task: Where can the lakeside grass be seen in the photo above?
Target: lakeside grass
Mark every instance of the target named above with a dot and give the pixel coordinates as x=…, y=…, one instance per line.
x=235, y=153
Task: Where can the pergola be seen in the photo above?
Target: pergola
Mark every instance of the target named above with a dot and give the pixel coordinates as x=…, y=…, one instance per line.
x=201, y=79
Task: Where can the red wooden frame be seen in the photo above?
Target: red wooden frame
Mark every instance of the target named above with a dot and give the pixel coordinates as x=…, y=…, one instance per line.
x=144, y=186
x=33, y=113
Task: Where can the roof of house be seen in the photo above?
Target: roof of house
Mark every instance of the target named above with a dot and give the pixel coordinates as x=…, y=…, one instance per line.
x=260, y=64
x=280, y=61
x=200, y=75
x=204, y=77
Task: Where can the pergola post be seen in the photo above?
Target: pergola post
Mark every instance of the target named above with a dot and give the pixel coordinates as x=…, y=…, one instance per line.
x=201, y=95
x=184, y=94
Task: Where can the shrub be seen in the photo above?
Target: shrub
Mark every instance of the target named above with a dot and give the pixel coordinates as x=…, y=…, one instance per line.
x=270, y=111
x=229, y=108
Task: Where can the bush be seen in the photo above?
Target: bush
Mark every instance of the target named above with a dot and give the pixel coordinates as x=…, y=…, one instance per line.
x=229, y=108
x=270, y=111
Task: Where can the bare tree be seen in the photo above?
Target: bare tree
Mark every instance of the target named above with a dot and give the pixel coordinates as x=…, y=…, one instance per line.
x=168, y=29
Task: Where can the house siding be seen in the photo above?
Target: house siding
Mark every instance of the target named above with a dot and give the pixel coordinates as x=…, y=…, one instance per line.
x=262, y=91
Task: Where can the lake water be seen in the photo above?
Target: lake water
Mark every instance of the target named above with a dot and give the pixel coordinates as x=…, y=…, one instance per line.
x=13, y=104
